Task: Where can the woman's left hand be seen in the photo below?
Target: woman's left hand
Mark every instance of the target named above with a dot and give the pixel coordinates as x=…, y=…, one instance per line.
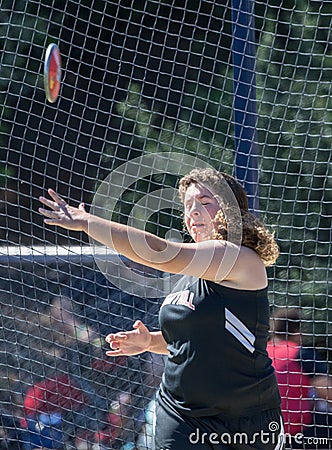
x=129, y=343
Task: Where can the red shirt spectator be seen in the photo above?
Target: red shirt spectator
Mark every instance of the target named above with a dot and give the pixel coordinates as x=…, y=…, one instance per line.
x=53, y=395
x=294, y=385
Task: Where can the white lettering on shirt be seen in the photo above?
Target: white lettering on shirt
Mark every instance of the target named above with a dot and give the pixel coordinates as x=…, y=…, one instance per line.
x=180, y=298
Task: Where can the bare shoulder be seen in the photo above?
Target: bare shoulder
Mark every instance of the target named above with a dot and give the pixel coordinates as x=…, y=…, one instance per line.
x=218, y=261
x=248, y=273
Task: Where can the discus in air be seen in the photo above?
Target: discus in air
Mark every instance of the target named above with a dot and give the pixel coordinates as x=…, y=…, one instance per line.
x=52, y=73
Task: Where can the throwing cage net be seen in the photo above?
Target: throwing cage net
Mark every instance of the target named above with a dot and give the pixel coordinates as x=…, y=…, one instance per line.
x=149, y=89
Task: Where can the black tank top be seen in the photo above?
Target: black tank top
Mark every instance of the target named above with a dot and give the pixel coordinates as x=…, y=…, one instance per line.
x=217, y=363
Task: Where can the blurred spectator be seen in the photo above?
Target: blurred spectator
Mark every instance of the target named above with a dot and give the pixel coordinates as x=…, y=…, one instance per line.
x=47, y=406
x=304, y=383
x=120, y=389
x=59, y=414
x=145, y=440
x=12, y=436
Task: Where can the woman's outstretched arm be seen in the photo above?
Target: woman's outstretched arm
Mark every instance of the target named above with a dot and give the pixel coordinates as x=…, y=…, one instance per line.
x=213, y=260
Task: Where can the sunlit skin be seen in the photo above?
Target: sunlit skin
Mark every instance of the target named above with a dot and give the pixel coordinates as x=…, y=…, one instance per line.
x=200, y=210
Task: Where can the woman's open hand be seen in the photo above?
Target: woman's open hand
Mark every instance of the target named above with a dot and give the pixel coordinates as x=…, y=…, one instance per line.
x=62, y=214
x=129, y=343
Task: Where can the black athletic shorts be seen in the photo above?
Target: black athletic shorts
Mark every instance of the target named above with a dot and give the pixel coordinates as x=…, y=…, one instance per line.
x=174, y=431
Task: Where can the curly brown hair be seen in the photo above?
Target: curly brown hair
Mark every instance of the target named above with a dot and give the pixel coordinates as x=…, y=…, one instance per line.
x=254, y=233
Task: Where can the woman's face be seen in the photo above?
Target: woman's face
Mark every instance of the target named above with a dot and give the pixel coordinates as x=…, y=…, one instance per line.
x=200, y=210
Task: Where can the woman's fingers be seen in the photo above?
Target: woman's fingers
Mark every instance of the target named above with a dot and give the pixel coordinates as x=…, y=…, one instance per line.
x=57, y=203
x=56, y=197
x=55, y=217
x=62, y=214
x=48, y=213
x=138, y=325
x=53, y=205
x=115, y=344
x=115, y=348
x=50, y=217
x=128, y=343
x=115, y=337
x=114, y=352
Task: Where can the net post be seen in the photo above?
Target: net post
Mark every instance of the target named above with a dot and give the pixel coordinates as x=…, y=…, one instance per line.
x=244, y=87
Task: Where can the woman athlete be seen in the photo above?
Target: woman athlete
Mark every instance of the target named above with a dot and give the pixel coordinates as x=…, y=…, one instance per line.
x=219, y=389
